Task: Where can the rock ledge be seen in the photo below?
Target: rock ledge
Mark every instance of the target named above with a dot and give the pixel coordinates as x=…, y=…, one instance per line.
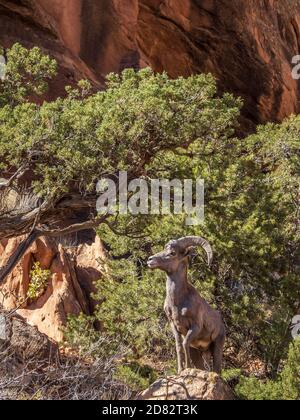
x=191, y=384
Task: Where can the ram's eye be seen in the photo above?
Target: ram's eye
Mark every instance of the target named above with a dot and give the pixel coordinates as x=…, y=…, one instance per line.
x=172, y=254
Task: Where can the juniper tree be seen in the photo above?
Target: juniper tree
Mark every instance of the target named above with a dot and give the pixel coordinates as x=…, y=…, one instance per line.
x=53, y=154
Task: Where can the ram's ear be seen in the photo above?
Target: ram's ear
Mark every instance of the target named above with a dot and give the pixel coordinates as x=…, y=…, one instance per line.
x=190, y=252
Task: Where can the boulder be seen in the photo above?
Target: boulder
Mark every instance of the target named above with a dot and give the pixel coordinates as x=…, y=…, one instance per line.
x=24, y=341
x=191, y=384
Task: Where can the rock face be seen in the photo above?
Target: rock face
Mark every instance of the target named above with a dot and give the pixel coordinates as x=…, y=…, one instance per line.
x=192, y=384
x=24, y=341
x=73, y=272
x=247, y=45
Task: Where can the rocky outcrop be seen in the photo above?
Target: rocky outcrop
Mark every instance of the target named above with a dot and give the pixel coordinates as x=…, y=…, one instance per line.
x=25, y=342
x=191, y=384
x=74, y=268
x=247, y=45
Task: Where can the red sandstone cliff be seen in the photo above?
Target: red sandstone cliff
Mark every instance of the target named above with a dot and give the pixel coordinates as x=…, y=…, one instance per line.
x=247, y=44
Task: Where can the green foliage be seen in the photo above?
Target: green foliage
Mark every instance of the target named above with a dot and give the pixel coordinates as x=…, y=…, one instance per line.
x=256, y=390
x=80, y=333
x=38, y=281
x=135, y=376
x=131, y=309
x=26, y=74
x=286, y=387
x=231, y=374
x=73, y=142
x=290, y=376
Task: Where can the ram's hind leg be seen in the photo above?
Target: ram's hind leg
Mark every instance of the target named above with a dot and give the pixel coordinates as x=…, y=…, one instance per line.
x=201, y=359
x=217, y=350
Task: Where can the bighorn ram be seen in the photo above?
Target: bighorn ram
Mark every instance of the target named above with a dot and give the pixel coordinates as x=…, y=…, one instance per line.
x=198, y=329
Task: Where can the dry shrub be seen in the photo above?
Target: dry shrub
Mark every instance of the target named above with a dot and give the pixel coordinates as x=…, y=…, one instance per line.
x=68, y=378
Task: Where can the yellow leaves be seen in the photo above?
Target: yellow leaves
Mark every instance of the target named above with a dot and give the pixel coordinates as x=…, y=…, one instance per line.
x=38, y=282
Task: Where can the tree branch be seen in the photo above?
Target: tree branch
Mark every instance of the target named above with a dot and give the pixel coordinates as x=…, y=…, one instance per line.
x=8, y=183
x=54, y=233
x=17, y=255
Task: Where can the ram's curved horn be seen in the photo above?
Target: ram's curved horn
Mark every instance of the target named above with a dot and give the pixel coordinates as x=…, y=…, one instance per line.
x=190, y=241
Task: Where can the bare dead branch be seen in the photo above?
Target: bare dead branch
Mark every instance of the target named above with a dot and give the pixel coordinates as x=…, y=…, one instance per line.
x=17, y=175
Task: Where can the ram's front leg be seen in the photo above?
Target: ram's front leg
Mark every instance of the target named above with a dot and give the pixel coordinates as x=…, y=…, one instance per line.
x=190, y=337
x=179, y=348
